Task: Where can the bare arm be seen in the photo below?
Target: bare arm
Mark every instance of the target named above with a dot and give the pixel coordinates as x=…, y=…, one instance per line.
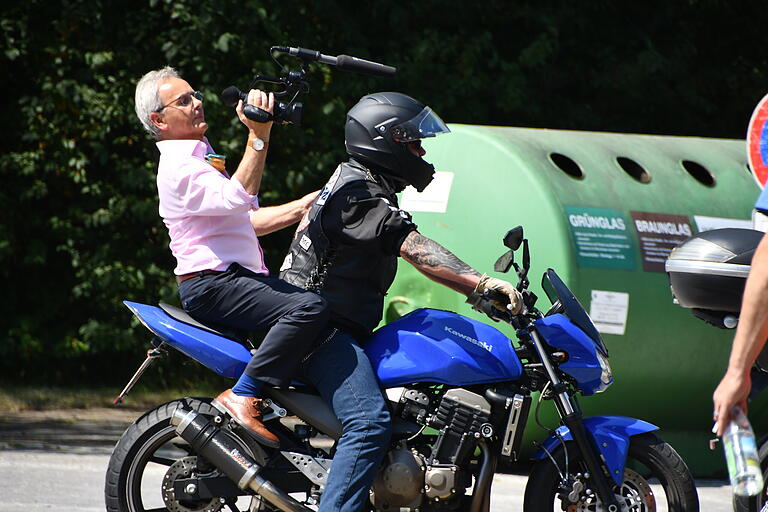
x=438, y=263
x=251, y=167
x=269, y=219
x=750, y=337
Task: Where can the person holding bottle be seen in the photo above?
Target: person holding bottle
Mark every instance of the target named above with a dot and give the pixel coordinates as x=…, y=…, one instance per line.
x=751, y=335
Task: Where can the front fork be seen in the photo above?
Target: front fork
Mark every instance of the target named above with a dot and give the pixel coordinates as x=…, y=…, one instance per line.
x=591, y=460
x=573, y=420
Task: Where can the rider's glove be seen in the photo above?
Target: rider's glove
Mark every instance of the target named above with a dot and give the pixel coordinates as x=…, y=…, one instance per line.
x=488, y=287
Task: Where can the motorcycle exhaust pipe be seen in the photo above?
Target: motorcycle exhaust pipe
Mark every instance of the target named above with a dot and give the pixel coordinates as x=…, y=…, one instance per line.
x=221, y=448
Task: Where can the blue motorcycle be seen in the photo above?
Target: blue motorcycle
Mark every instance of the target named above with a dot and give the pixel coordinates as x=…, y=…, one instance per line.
x=460, y=393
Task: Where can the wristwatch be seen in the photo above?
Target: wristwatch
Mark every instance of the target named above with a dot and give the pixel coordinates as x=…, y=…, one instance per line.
x=256, y=143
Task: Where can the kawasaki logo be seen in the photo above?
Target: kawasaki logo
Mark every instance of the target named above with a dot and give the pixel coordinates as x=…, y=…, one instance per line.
x=470, y=339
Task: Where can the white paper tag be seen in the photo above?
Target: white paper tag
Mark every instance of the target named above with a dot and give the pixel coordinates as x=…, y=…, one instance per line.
x=433, y=199
x=704, y=223
x=608, y=311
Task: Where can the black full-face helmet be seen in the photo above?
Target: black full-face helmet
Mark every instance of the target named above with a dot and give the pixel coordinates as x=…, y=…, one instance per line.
x=379, y=129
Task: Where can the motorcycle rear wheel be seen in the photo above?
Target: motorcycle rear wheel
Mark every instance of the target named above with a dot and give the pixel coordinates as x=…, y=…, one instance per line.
x=148, y=451
x=656, y=480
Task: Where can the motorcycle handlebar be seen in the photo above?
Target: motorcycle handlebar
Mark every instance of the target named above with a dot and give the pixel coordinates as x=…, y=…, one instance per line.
x=486, y=306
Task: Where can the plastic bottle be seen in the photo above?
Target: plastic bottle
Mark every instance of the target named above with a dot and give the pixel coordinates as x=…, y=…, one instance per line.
x=741, y=455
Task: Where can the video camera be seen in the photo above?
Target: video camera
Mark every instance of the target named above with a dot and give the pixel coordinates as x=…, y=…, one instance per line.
x=295, y=83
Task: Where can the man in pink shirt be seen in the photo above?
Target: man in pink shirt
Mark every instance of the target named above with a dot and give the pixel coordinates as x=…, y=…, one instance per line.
x=210, y=219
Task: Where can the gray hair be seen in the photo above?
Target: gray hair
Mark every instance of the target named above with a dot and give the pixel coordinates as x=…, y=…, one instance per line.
x=148, y=96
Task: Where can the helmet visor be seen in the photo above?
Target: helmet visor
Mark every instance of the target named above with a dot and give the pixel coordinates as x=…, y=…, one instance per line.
x=425, y=124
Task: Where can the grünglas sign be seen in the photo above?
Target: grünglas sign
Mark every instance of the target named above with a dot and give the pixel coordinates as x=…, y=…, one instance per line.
x=601, y=237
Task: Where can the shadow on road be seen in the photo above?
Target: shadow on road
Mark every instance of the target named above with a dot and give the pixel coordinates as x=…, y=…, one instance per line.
x=80, y=431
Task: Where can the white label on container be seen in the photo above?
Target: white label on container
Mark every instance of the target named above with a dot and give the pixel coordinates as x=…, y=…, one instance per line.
x=433, y=199
x=704, y=223
x=609, y=311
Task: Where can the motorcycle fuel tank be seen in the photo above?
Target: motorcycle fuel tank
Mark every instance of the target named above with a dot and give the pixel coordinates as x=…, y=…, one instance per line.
x=430, y=345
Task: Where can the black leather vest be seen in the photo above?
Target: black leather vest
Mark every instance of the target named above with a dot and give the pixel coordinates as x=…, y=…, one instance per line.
x=353, y=279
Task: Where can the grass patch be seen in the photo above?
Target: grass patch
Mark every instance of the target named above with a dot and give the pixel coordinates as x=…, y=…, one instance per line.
x=27, y=398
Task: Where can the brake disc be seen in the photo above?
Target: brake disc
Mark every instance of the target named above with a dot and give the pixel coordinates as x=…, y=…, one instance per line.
x=635, y=496
x=184, y=468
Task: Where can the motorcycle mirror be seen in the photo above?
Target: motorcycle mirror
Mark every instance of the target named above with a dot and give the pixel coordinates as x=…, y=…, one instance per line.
x=514, y=238
x=526, y=256
x=504, y=262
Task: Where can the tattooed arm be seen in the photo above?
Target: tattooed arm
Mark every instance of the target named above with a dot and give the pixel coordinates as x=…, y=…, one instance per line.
x=438, y=263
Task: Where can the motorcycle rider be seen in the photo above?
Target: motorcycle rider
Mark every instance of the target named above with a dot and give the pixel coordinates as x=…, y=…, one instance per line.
x=220, y=267
x=346, y=250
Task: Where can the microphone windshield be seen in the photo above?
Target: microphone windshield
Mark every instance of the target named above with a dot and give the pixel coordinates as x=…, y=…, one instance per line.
x=231, y=95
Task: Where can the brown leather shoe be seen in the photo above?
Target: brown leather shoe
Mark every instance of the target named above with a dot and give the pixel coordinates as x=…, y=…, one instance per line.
x=246, y=410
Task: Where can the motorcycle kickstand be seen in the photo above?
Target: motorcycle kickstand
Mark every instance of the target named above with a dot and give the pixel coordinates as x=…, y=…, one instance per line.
x=152, y=354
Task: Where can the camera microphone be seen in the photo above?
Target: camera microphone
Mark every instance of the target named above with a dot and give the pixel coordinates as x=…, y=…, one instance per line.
x=231, y=95
x=343, y=62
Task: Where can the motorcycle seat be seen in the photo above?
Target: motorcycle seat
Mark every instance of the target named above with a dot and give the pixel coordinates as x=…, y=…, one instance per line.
x=184, y=317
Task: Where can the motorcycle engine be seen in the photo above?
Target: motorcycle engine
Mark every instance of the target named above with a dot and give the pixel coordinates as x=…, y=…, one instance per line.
x=399, y=483
x=409, y=478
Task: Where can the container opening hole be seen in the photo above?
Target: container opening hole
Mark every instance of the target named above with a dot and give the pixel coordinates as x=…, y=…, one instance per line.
x=567, y=165
x=699, y=173
x=634, y=169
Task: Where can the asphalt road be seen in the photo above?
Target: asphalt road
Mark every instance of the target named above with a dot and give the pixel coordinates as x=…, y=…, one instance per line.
x=57, y=460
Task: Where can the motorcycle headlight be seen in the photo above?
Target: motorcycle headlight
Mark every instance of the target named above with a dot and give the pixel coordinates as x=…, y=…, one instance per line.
x=606, y=378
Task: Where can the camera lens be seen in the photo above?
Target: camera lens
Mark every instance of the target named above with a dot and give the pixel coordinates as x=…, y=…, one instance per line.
x=288, y=113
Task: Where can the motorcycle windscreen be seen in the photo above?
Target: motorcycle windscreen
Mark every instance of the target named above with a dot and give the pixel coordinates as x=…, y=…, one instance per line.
x=429, y=345
x=222, y=355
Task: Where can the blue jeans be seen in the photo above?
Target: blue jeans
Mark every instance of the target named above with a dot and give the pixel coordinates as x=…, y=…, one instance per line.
x=343, y=375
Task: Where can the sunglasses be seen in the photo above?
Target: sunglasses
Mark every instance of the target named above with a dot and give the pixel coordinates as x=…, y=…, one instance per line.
x=184, y=100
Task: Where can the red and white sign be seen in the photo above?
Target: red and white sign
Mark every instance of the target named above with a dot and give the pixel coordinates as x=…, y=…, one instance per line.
x=757, y=142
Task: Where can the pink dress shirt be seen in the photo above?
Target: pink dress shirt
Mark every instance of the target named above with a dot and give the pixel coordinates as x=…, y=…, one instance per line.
x=206, y=213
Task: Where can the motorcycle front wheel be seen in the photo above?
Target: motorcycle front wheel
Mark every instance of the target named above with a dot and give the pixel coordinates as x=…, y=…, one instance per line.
x=150, y=455
x=656, y=479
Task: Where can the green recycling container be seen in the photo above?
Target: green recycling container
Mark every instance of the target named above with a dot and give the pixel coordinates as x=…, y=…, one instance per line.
x=603, y=210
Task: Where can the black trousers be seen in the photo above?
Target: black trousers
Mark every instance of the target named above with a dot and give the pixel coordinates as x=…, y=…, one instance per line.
x=245, y=300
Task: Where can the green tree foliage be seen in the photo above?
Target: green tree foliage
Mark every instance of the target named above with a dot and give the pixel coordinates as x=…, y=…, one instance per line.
x=79, y=230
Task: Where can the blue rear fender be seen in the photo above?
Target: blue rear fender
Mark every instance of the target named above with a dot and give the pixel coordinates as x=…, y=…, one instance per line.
x=222, y=355
x=611, y=435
